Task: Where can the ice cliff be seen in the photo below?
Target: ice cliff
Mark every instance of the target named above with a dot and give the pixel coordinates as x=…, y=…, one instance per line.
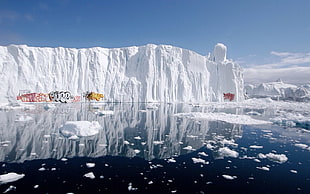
x=151, y=73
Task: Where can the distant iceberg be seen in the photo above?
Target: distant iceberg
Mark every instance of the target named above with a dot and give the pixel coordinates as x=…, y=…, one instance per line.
x=279, y=91
x=150, y=73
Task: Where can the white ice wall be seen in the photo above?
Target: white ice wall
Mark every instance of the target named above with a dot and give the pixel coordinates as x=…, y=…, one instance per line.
x=159, y=73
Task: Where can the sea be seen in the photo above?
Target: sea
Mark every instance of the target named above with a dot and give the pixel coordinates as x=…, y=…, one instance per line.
x=155, y=148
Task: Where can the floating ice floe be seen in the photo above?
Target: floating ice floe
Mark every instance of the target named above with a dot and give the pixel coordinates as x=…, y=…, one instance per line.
x=90, y=165
x=203, y=154
x=302, y=146
x=263, y=168
x=229, y=142
x=221, y=116
x=11, y=188
x=90, y=175
x=137, y=151
x=199, y=160
x=80, y=128
x=226, y=152
x=278, y=158
x=292, y=120
x=126, y=142
x=256, y=147
x=10, y=177
x=172, y=160
x=137, y=138
x=229, y=177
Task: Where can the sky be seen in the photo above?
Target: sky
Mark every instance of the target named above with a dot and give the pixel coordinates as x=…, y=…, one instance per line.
x=270, y=39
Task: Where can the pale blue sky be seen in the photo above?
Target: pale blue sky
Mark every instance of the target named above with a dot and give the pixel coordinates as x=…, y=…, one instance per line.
x=256, y=32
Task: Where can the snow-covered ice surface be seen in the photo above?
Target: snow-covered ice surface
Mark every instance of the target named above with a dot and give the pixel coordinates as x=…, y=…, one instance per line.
x=166, y=148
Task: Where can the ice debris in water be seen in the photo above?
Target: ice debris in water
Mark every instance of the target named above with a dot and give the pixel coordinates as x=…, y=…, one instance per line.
x=203, y=154
x=263, y=168
x=292, y=120
x=199, y=160
x=10, y=177
x=278, y=158
x=256, y=147
x=131, y=188
x=221, y=116
x=229, y=177
x=302, y=146
x=90, y=165
x=226, y=152
x=90, y=175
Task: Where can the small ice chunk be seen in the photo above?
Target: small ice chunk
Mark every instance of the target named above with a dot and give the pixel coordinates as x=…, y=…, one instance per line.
x=229, y=177
x=188, y=148
x=11, y=188
x=137, y=151
x=36, y=186
x=256, y=147
x=137, y=138
x=226, y=152
x=302, y=146
x=293, y=171
x=10, y=177
x=90, y=175
x=278, y=158
x=126, y=142
x=171, y=160
x=203, y=154
x=63, y=159
x=42, y=169
x=199, y=160
x=90, y=165
x=263, y=168
x=257, y=160
x=229, y=142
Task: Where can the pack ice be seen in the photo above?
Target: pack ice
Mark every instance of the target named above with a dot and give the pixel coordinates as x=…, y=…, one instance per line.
x=150, y=73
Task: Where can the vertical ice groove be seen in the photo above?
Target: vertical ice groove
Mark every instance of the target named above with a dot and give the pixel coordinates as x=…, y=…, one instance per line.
x=150, y=73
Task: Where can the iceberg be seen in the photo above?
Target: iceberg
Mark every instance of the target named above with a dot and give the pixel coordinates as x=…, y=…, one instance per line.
x=150, y=73
x=279, y=90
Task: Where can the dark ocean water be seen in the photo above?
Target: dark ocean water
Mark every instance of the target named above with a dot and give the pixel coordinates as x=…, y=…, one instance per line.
x=146, y=149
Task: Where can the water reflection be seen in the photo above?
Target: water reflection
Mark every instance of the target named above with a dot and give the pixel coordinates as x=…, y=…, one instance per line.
x=136, y=129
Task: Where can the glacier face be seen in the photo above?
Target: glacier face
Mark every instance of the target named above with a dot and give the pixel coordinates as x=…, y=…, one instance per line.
x=150, y=73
